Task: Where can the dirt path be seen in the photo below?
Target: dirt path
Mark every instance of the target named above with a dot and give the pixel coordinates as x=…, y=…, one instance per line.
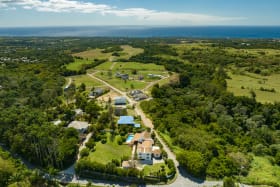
x=153, y=83
x=113, y=65
x=84, y=144
x=69, y=83
x=183, y=178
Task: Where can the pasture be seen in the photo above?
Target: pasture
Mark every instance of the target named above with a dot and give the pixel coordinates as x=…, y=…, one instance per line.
x=242, y=84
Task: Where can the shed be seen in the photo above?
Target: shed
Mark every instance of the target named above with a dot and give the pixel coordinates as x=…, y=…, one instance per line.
x=137, y=125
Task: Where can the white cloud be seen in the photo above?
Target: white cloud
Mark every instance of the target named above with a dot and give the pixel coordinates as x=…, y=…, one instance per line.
x=3, y=5
x=141, y=14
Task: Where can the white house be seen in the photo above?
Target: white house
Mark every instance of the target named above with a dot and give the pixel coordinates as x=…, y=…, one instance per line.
x=144, y=150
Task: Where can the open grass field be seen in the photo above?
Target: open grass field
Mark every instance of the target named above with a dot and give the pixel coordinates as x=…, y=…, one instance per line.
x=111, y=150
x=150, y=169
x=137, y=66
x=93, y=54
x=242, y=84
x=76, y=66
x=104, y=66
x=263, y=171
x=88, y=81
x=121, y=84
x=255, y=52
x=129, y=51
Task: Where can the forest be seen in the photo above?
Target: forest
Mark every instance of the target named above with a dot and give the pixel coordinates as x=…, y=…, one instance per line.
x=213, y=132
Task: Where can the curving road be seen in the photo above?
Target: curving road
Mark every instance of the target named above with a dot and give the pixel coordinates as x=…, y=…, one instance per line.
x=183, y=179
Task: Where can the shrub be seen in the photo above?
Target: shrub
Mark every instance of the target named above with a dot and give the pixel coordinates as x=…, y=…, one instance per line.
x=228, y=182
x=84, y=152
x=277, y=158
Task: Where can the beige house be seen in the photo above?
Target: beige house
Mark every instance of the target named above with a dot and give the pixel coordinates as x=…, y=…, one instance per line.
x=145, y=149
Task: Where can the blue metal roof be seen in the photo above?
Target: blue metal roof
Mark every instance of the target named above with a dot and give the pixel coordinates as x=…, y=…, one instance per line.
x=120, y=100
x=126, y=120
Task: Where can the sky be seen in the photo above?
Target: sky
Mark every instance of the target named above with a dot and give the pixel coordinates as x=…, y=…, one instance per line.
x=35, y=13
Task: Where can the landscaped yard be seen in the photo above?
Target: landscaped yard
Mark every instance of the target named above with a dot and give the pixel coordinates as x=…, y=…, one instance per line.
x=151, y=169
x=111, y=150
x=263, y=171
x=242, y=84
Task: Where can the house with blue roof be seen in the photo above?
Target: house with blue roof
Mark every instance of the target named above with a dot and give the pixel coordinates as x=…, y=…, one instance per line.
x=120, y=101
x=126, y=120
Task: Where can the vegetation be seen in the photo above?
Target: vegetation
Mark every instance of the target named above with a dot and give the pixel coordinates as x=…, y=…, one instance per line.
x=215, y=129
x=214, y=133
x=13, y=173
x=106, y=152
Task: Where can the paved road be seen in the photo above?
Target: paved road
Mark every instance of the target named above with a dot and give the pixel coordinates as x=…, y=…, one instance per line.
x=183, y=178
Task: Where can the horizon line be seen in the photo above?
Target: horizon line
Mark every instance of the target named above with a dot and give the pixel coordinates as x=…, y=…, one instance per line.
x=159, y=26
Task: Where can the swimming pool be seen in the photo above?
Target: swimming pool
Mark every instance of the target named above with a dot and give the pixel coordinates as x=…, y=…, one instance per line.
x=129, y=138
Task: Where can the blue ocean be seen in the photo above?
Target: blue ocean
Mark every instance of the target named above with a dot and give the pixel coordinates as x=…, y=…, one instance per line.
x=256, y=32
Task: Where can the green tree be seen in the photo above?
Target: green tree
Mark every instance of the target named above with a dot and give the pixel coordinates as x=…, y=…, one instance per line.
x=194, y=162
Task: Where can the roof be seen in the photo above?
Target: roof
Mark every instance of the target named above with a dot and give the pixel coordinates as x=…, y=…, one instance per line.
x=157, y=151
x=126, y=120
x=137, y=125
x=120, y=100
x=145, y=146
x=142, y=136
x=79, y=125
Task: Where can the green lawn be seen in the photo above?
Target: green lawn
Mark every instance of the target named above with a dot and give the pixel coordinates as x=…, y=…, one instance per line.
x=254, y=82
x=88, y=81
x=263, y=171
x=121, y=84
x=77, y=65
x=149, y=169
x=111, y=150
